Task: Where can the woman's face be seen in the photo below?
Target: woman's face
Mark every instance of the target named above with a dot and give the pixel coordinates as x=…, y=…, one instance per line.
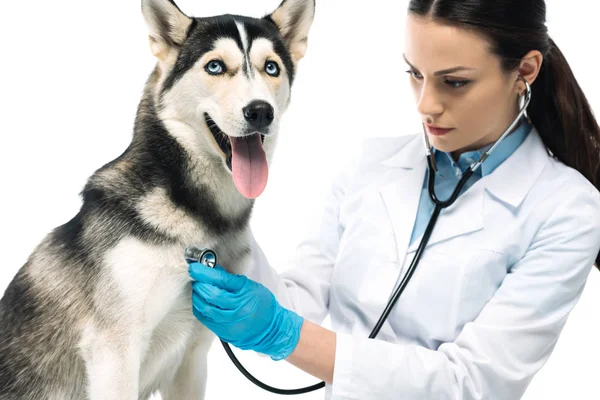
x=459, y=84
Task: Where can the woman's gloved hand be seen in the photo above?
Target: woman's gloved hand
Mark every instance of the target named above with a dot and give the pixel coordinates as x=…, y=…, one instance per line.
x=243, y=312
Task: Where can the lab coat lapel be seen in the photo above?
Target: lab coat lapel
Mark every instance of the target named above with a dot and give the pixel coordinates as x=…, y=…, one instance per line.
x=499, y=189
x=401, y=194
x=399, y=187
x=508, y=185
x=462, y=217
x=401, y=191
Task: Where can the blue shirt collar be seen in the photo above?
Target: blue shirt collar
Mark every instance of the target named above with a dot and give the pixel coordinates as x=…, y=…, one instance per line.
x=504, y=149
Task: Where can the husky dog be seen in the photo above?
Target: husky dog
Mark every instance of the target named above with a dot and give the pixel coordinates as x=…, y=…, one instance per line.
x=102, y=308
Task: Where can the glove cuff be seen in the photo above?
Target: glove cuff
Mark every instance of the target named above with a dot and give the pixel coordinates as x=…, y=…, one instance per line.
x=284, y=336
x=291, y=336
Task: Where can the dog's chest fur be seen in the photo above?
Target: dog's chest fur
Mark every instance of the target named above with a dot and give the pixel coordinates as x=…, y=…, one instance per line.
x=147, y=292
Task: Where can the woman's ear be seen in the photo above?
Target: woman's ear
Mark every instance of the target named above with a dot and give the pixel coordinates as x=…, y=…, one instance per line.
x=529, y=68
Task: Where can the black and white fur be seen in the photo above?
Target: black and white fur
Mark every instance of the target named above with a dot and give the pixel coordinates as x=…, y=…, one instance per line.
x=102, y=308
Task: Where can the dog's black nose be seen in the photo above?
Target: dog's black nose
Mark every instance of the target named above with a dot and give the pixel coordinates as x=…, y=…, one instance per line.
x=259, y=114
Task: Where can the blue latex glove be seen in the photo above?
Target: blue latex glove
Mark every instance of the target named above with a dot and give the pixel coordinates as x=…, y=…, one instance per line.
x=243, y=312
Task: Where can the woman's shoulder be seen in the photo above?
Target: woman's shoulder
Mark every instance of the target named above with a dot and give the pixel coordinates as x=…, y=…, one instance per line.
x=569, y=182
x=383, y=147
x=373, y=156
x=534, y=175
x=389, y=150
x=563, y=192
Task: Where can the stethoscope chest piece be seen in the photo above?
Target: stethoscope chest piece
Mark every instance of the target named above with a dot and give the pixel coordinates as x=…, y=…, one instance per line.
x=206, y=257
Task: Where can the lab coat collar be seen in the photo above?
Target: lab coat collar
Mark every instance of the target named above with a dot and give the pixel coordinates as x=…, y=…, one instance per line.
x=400, y=188
x=403, y=183
x=411, y=156
x=529, y=159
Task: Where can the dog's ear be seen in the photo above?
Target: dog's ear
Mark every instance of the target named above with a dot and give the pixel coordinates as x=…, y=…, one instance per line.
x=167, y=25
x=294, y=19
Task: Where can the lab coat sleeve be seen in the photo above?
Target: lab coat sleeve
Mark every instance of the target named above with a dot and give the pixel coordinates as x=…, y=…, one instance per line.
x=304, y=288
x=496, y=355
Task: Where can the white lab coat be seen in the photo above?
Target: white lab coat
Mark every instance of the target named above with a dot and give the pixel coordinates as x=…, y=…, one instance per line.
x=504, y=267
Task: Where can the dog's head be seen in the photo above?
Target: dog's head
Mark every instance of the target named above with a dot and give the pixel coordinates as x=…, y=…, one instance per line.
x=223, y=82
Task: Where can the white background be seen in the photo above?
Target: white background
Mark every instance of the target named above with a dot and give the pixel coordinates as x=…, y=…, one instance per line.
x=71, y=75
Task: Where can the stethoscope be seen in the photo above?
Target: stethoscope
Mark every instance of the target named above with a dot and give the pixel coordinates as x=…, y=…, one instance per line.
x=208, y=257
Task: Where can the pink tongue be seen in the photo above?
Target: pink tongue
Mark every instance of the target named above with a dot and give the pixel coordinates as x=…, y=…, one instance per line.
x=249, y=165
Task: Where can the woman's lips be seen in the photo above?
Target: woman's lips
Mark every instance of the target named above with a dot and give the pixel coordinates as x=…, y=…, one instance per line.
x=436, y=131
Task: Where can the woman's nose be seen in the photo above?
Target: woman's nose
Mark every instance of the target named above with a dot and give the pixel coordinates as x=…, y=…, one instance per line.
x=429, y=102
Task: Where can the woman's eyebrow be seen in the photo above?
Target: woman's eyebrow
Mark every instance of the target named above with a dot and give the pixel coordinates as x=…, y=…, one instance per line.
x=444, y=71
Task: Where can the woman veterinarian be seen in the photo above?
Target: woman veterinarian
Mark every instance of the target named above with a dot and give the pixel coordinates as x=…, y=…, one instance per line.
x=506, y=262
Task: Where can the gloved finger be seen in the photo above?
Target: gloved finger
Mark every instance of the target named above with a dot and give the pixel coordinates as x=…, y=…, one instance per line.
x=204, y=320
x=215, y=296
x=216, y=276
x=214, y=314
x=199, y=316
x=218, y=316
x=207, y=311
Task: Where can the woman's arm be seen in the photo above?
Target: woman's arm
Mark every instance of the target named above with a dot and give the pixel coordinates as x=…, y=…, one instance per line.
x=494, y=357
x=315, y=352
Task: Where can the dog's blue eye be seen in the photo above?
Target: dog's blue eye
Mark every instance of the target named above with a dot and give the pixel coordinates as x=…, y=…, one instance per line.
x=215, y=67
x=272, y=68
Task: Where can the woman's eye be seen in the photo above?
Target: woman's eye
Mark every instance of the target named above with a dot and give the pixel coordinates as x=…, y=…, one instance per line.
x=456, y=84
x=215, y=67
x=272, y=68
x=414, y=74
